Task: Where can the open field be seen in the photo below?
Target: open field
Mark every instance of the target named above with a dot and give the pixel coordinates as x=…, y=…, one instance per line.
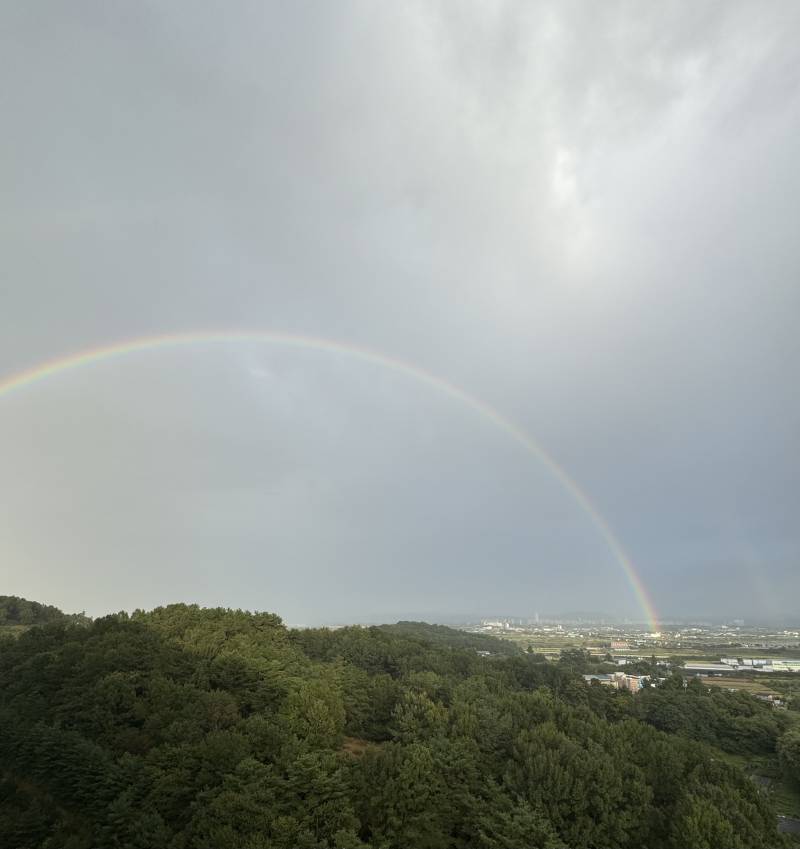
x=554, y=645
x=749, y=685
x=692, y=649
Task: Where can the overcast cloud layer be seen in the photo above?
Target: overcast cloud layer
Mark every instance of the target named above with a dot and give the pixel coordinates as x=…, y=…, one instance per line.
x=585, y=214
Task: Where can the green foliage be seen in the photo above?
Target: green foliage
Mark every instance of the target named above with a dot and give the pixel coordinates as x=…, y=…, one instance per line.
x=789, y=753
x=735, y=722
x=19, y=611
x=441, y=636
x=719, y=808
x=189, y=728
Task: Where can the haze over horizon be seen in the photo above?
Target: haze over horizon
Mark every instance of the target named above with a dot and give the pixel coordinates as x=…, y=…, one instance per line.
x=583, y=215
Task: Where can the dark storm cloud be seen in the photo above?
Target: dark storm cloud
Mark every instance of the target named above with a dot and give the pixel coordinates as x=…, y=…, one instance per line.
x=584, y=214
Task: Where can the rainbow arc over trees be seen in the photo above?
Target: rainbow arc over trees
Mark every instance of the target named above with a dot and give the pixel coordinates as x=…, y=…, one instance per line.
x=54, y=367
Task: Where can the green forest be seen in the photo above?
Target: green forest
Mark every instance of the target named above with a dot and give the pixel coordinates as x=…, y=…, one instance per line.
x=20, y=613
x=193, y=727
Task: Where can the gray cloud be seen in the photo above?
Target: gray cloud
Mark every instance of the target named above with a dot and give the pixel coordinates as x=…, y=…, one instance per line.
x=583, y=214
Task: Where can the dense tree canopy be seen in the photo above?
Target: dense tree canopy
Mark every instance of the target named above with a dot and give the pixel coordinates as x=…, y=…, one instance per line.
x=735, y=722
x=20, y=611
x=187, y=727
x=789, y=753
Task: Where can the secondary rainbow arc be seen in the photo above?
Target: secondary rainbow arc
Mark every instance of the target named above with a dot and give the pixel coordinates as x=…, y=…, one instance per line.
x=75, y=360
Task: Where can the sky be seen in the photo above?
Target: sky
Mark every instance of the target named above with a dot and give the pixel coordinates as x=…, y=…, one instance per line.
x=584, y=215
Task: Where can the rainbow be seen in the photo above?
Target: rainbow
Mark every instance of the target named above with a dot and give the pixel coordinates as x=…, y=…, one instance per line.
x=54, y=367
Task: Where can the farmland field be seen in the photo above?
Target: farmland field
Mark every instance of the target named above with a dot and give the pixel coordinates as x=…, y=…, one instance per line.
x=749, y=685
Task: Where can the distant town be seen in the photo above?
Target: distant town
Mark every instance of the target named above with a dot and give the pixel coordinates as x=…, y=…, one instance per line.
x=758, y=659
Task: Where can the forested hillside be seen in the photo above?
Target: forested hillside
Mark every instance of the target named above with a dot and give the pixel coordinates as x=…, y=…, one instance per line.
x=190, y=727
x=19, y=612
x=444, y=636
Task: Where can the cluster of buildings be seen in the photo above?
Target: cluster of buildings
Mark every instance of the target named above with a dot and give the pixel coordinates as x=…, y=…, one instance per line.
x=744, y=664
x=501, y=625
x=619, y=680
x=762, y=664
